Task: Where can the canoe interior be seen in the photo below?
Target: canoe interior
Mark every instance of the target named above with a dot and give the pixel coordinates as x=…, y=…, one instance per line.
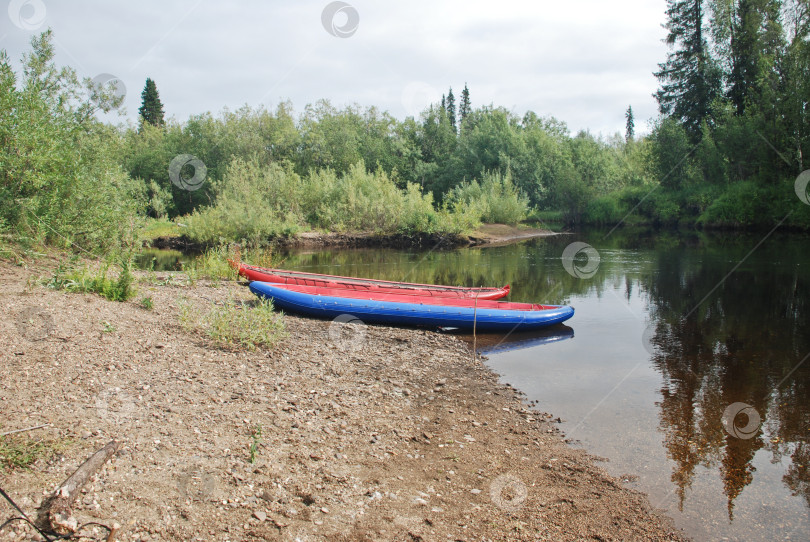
x=281, y=276
x=416, y=299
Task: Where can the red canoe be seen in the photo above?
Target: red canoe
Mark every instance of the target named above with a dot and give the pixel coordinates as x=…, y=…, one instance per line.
x=301, y=278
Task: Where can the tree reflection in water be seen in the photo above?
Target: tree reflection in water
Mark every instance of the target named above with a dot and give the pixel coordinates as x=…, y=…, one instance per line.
x=742, y=344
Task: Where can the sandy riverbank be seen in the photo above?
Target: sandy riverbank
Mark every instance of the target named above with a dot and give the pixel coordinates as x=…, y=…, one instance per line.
x=368, y=433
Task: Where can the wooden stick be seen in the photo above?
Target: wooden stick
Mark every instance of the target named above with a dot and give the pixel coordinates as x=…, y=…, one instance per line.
x=59, y=514
x=113, y=532
x=24, y=430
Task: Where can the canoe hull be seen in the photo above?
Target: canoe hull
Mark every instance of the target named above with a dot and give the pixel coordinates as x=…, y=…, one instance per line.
x=411, y=314
x=281, y=276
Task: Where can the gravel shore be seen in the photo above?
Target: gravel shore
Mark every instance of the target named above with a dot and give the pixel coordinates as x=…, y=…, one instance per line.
x=367, y=432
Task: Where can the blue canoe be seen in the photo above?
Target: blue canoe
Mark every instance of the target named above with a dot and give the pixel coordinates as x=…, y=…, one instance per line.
x=412, y=310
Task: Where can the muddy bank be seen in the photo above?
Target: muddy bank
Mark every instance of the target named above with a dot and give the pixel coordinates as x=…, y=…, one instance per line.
x=488, y=234
x=367, y=432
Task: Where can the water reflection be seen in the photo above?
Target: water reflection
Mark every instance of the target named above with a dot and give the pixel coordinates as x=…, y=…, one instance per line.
x=744, y=343
x=155, y=259
x=497, y=343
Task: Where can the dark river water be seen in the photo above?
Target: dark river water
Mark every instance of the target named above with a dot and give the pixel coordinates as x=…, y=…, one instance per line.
x=686, y=365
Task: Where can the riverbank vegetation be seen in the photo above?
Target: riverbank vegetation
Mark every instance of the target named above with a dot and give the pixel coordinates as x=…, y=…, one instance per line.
x=733, y=134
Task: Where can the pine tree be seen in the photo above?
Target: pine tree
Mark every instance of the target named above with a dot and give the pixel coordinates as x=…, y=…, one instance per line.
x=631, y=124
x=755, y=43
x=151, y=109
x=690, y=79
x=444, y=104
x=464, y=106
x=451, y=109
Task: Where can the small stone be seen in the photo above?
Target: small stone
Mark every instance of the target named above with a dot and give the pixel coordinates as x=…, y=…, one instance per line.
x=475, y=491
x=260, y=515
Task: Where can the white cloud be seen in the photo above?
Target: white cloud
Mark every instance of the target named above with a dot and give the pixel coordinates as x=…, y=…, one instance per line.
x=582, y=61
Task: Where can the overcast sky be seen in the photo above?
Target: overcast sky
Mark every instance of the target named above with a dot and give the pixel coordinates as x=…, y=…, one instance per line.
x=582, y=61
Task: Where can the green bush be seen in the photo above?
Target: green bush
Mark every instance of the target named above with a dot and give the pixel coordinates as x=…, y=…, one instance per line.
x=213, y=264
x=741, y=203
x=748, y=203
x=60, y=177
x=250, y=206
x=604, y=210
x=257, y=204
x=495, y=199
x=86, y=281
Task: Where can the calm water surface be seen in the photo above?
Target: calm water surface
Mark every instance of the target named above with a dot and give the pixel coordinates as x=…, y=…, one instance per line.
x=672, y=336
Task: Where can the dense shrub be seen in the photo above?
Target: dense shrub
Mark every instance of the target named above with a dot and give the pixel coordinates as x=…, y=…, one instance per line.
x=495, y=199
x=257, y=203
x=60, y=174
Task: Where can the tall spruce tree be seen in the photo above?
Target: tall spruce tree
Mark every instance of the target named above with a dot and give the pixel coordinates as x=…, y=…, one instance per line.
x=630, y=132
x=451, y=109
x=755, y=43
x=151, y=109
x=690, y=78
x=743, y=49
x=464, y=106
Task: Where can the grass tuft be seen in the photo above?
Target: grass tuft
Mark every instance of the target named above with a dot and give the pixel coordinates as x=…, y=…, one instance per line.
x=256, y=441
x=83, y=280
x=20, y=452
x=235, y=324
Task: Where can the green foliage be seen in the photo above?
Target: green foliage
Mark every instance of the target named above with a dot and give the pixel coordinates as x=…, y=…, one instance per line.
x=257, y=204
x=251, y=205
x=69, y=180
x=152, y=229
x=496, y=199
x=235, y=324
x=151, y=110
x=73, y=279
x=690, y=78
x=752, y=204
x=674, y=153
x=214, y=264
x=450, y=106
x=256, y=440
x=630, y=125
x=464, y=106
x=147, y=303
x=60, y=178
x=20, y=452
x=604, y=210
